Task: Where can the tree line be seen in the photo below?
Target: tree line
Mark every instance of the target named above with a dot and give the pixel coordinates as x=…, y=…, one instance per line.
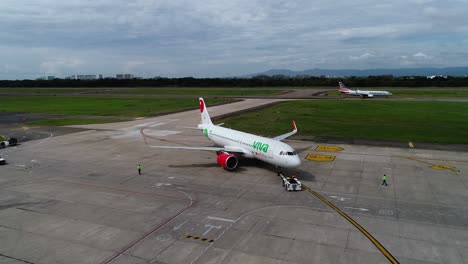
x=257, y=81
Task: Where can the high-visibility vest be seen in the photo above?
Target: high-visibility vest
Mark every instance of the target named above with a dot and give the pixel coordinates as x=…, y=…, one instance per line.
x=138, y=167
x=384, y=178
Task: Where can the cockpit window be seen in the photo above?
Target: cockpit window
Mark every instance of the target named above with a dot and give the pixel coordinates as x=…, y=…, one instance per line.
x=282, y=153
x=292, y=153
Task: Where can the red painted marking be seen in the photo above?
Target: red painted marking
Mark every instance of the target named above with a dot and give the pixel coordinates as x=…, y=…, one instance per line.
x=202, y=106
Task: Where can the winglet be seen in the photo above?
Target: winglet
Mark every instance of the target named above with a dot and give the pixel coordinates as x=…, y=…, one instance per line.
x=281, y=137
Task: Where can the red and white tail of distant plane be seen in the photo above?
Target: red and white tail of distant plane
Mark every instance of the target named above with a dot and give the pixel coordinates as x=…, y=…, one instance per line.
x=231, y=144
x=364, y=94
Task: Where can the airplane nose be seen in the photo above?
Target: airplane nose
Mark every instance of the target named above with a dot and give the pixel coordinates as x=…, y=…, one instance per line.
x=294, y=162
x=297, y=162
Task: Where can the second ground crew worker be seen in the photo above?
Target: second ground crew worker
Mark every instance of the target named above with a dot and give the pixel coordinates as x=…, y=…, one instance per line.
x=139, y=169
x=384, y=180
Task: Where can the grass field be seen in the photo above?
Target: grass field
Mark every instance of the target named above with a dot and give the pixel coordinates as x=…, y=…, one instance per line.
x=130, y=107
x=441, y=122
x=45, y=90
x=203, y=92
x=155, y=91
x=430, y=92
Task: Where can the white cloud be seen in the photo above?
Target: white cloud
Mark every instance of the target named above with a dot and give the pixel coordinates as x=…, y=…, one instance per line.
x=421, y=55
x=222, y=38
x=363, y=56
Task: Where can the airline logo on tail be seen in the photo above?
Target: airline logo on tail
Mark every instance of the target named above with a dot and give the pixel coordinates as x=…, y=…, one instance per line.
x=202, y=105
x=205, y=117
x=343, y=88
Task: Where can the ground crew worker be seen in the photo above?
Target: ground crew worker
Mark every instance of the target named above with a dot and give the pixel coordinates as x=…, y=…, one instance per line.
x=139, y=169
x=384, y=180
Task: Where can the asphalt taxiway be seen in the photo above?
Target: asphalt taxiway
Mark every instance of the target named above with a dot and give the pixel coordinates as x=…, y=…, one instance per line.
x=78, y=198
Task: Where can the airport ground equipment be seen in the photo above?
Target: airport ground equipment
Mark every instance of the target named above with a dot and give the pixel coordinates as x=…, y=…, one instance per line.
x=2, y=161
x=5, y=142
x=291, y=183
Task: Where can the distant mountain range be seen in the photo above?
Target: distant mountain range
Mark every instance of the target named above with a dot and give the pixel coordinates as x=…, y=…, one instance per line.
x=451, y=71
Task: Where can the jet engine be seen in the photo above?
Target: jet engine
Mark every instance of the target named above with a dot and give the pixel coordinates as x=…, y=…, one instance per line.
x=227, y=161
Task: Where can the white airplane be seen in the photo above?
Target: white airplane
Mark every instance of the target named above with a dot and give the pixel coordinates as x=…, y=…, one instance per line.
x=233, y=144
x=364, y=94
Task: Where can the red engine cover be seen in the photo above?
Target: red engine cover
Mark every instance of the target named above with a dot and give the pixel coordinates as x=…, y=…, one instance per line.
x=227, y=161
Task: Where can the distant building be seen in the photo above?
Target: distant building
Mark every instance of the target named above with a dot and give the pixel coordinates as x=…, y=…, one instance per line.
x=46, y=78
x=72, y=77
x=124, y=76
x=436, y=76
x=86, y=77
x=100, y=76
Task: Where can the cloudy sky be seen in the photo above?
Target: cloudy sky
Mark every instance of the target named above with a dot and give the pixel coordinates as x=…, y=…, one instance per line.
x=212, y=38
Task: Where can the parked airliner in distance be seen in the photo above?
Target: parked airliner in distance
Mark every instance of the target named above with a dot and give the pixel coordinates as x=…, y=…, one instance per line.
x=233, y=144
x=364, y=94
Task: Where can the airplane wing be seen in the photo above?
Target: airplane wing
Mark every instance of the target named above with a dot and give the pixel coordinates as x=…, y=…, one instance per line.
x=225, y=148
x=281, y=137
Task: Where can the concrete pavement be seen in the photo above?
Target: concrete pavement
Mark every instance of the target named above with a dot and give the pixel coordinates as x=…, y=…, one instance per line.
x=78, y=198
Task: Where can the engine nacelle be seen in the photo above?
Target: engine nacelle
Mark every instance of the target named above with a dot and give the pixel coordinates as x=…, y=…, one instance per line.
x=227, y=161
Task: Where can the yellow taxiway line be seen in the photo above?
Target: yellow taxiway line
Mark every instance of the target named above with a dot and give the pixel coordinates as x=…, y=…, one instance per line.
x=358, y=226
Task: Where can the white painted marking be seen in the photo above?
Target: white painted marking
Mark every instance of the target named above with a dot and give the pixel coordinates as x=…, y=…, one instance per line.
x=360, y=209
x=159, y=184
x=42, y=141
x=176, y=178
x=164, y=237
x=221, y=219
x=157, y=124
x=240, y=217
x=386, y=212
x=342, y=199
x=179, y=226
x=210, y=227
x=161, y=133
x=33, y=161
x=139, y=126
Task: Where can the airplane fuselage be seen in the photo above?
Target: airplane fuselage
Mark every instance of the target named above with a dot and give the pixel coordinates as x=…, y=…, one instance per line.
x=232, y=144
x=344, y=90
x=366, y=93
x=374, y=93
x=266, y=149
